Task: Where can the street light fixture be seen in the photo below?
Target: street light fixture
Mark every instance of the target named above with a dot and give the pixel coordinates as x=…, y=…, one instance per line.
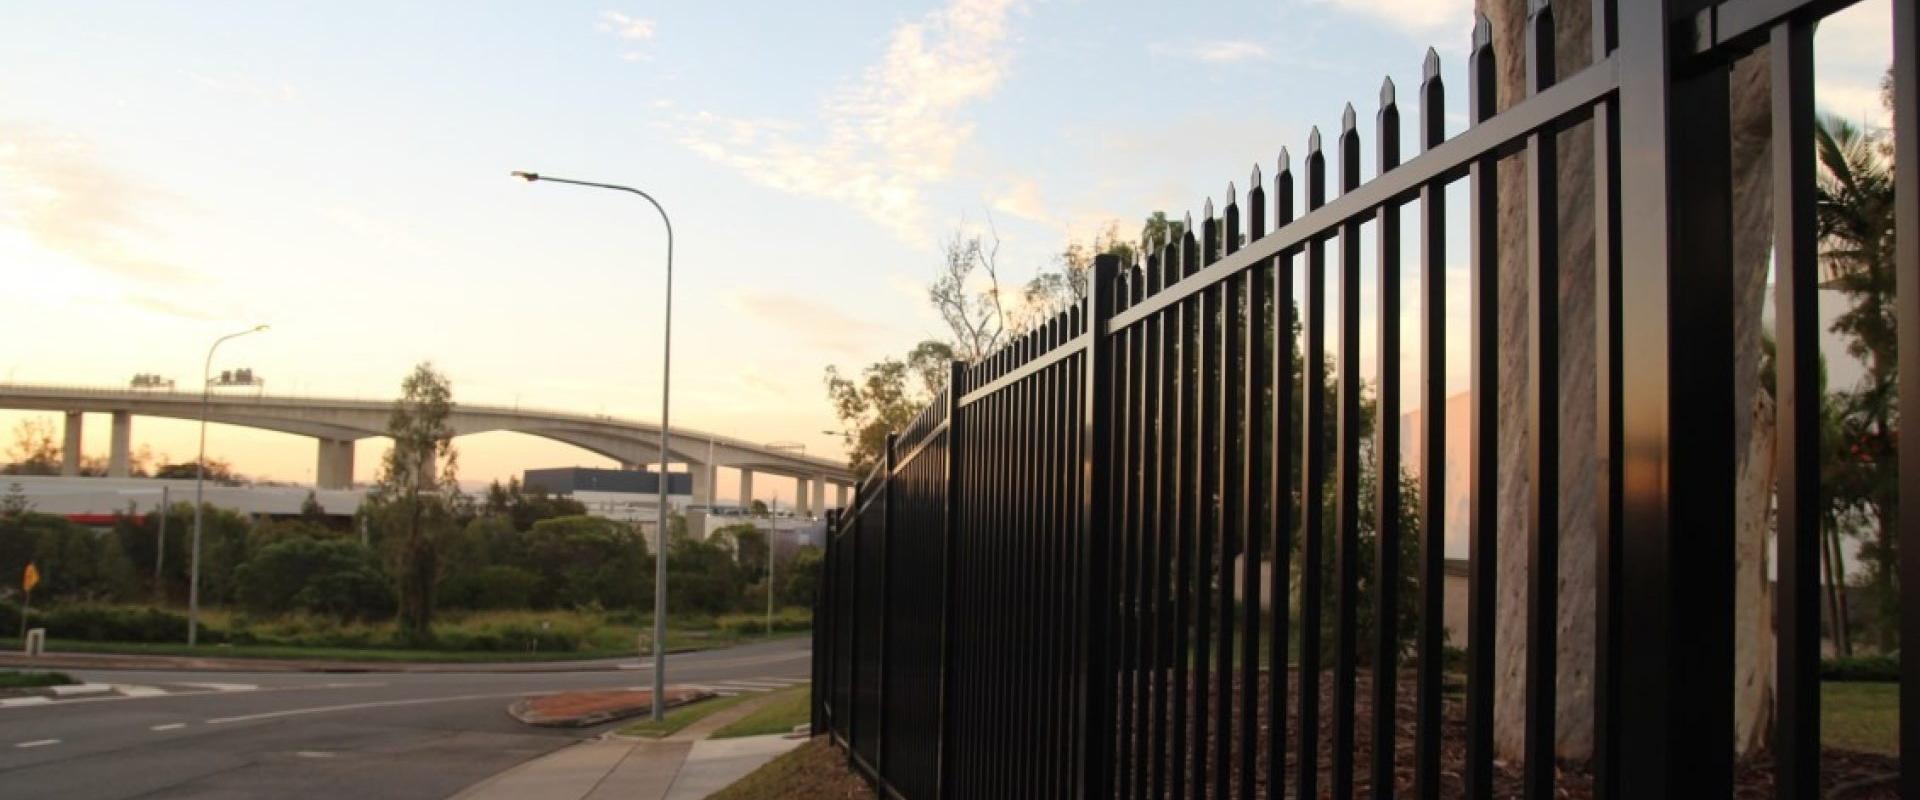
x=666, y=388
x=199, y=479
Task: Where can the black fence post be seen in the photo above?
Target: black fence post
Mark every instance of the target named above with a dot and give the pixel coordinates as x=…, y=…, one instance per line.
x=1906, y=198
x=950, y=527
x=1675, y=699
x=1095, y=740
x=822, y=680
x=886, y=599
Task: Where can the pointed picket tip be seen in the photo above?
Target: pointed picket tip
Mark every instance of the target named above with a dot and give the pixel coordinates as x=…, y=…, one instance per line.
x=1206, y=210
x=1286, y=161
x=1348, y=121
x=1386, y=92
x=1233, y=198
x=1188, y=230
x=1537, y=6
x=1313, y=141
x=1254, y=181
x=1482, y=31
x=1431, y=69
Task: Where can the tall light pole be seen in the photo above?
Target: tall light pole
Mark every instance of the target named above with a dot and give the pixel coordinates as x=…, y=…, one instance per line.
x=199, y=478
x=666, y=392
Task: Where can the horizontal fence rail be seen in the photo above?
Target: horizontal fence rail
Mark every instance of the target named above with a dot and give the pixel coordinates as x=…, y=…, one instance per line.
x=1164, y=545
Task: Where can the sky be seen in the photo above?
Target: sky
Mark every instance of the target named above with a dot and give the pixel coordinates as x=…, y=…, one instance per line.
x=173, y=172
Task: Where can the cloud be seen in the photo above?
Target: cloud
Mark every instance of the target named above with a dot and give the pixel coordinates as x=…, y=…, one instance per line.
x=1214, y=52
x=1854, y=102
x=168, y=308
x=1420, y=18
x=880, y=141
x=245, y=87
x=1023, y=200
x=812, y=322
x=68, y=201
x=625, y=27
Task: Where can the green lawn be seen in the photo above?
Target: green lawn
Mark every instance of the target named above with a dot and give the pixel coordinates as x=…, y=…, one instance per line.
x=28, y=680
x=681, y=717
x=784, y=709
x=1860, y=716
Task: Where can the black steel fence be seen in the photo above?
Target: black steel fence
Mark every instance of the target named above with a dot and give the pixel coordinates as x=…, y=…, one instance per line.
x=1053, y=586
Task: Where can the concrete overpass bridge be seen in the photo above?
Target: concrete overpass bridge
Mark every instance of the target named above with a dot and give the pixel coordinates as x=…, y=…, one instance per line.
x=337, y=423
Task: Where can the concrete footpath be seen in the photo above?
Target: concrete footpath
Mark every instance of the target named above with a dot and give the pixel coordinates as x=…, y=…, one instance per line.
x=684, y=766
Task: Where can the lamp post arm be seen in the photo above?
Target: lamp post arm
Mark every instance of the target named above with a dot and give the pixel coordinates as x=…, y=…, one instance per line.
x=666, y=386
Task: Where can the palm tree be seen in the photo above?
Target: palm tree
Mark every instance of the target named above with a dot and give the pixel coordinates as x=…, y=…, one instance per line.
x=1854, y=221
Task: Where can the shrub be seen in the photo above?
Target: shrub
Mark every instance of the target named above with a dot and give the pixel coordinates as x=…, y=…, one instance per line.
x=494, y=587
x=1878, y=669
x=103, y=623
x=337, y=577
x=785, y=620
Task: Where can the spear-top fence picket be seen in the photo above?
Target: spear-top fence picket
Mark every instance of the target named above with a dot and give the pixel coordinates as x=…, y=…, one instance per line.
x=1036, y=595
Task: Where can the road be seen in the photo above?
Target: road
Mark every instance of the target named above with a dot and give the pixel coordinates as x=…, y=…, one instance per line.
x=360, y=736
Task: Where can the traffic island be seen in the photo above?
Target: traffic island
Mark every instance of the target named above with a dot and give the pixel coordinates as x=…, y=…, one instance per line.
x=589, y=708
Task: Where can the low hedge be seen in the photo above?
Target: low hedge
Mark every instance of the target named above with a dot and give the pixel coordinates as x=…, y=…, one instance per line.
x=1875, y=669
x=786, y=620
x=105, y=623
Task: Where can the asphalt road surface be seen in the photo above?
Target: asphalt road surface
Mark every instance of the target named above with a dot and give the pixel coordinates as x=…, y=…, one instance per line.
x=282, y=735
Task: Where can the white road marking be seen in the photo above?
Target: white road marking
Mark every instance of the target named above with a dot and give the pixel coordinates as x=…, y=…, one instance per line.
x=376, y=704
x=224, y=687
x=314, y=754
x=130, y=690
x=13, y=702
x=81, y=688
x=38, y=743
x=171, y=726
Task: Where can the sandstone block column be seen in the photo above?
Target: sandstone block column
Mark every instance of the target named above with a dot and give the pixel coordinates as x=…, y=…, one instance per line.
x=335, y=469
x=70, y=450
x=120, y=454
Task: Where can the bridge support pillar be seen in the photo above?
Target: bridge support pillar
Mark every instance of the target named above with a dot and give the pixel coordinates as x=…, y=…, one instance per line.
x=802, y=497
x=335, y=470
x=703, y=475
x=746, y=489
x=819, y=504
x=70, y=449
x=839, y=495
x=120, y=453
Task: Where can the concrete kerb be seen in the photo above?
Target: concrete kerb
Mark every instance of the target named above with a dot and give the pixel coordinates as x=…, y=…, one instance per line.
x=587, y=708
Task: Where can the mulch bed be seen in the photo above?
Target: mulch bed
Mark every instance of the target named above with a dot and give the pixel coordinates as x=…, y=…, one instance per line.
x=1845, y=775
x=816, y=769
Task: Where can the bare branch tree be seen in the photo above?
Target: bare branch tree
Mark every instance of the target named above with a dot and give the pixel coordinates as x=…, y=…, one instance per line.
x=976, y=314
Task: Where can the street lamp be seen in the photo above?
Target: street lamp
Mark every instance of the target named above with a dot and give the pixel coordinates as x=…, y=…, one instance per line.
x=666, y=391
x=199, y=478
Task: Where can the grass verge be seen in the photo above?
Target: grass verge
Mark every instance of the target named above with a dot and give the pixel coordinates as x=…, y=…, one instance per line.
x=29, y=680
x=1860, y=716
x=812, y=770
x=783, y=710
x=681, y=717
